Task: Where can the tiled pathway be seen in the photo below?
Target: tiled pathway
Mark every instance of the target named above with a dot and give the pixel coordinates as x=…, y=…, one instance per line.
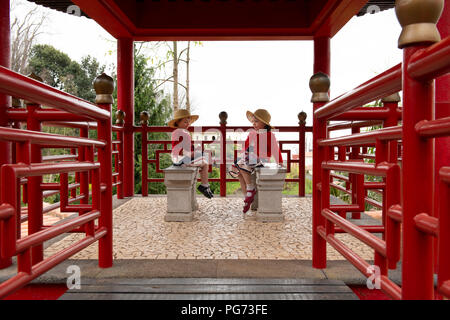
x=218, y=231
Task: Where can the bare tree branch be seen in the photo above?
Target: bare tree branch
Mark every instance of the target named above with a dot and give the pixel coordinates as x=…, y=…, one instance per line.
x=24, y=34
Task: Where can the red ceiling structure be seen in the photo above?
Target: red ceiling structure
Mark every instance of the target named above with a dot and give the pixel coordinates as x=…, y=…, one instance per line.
x=147, y=20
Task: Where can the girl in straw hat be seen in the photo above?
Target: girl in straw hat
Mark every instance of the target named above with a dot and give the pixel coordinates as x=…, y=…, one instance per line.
x=183, y=151
x=260, y=146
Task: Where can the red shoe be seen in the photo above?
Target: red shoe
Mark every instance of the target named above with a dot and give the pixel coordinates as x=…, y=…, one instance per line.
x=249, y=199
x=247, y=206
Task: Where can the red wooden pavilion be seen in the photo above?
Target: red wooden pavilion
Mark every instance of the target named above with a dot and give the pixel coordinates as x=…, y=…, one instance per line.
x=413, y=158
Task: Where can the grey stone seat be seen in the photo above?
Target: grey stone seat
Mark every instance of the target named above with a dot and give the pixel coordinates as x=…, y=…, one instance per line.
x=180, y=182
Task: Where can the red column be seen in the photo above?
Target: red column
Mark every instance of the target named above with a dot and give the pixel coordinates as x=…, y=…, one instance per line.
x=5, y=101
x=322, y=55
x=442, y=109
x=125, y=102
x=5, y=61
x=321, y=64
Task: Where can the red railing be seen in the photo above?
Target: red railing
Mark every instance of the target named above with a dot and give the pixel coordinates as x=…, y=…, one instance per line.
x=23, y=177
x=117, y=154
x=220, y=146
x=406, y=180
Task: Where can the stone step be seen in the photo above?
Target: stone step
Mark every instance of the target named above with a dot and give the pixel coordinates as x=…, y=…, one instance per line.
x=211, y=289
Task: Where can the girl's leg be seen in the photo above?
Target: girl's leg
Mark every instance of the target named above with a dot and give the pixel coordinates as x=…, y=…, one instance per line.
x=204, y=186
x=243, y=184
x=246, y=177
x=204, y=174
x=249, y=192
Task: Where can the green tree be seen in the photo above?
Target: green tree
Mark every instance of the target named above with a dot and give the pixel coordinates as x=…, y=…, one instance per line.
x=58, y=70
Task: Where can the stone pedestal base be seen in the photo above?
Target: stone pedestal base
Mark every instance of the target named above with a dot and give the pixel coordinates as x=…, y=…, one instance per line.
x=181, y=197
x=269, y=183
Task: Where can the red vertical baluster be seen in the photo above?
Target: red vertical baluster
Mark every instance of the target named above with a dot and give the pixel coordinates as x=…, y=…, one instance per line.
x=417, y=167
x=301, y=153
x=356, y=181
x=319, y=84
x=144, y=120
x=223, y=153
x=104, y=87
x=120, y=118
x=35, y=199
x=444, y=227
x=9, y=196
x=441, y=110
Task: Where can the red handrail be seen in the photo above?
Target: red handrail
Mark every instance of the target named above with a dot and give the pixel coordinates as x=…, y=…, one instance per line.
x=19, y=86
x=416, y=133
x=42, y=138
x=432, y=62
x=31, y=166
x=382, y=85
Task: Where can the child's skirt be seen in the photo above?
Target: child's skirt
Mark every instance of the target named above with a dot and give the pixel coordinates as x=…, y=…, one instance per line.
x=199, y=159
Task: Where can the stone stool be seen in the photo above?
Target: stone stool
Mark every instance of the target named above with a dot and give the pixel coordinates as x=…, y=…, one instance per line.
x=269, y=184
x=181, y=197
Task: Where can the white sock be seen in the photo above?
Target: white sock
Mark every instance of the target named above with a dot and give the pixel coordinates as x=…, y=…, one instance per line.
x=250, y=188
x=205, y=185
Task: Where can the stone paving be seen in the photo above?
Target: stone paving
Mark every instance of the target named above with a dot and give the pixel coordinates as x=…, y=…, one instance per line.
x=219, y=231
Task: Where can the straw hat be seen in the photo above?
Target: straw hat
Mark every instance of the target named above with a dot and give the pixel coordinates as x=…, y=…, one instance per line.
x=180, y=114
x=261, y=114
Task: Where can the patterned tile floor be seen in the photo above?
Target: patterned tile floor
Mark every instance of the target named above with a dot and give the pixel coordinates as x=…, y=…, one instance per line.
x=219, y=231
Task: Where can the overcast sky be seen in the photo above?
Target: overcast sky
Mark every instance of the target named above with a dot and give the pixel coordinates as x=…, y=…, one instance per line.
x=240, y=76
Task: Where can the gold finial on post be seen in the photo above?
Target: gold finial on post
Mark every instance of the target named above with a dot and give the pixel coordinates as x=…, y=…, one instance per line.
x=34, y=76
x=302, y=118
x=395, y=97
x=418, y=19
x=120, y=117
x=223, y=116
x=104, y=88
x=144, y=116
x=16, y=103
x=319, y=85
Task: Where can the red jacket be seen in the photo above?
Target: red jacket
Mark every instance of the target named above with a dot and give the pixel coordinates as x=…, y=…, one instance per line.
x=266, y=145
x=181, y=142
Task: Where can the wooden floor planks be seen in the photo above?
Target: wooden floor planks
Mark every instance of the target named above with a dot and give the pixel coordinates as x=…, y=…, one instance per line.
x=211, y=289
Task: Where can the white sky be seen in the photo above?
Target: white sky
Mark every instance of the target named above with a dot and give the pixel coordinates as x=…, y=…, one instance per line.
x=239, y=76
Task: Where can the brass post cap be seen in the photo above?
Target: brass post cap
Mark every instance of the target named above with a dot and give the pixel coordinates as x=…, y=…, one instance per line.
x=33, y=76
x=418, y=19
x=223, y=116
x=302, y=117
x=395, y=97
x=319, y=85
x=144, y=116
x=104, y=87
x=16, y=103
x=120, y=116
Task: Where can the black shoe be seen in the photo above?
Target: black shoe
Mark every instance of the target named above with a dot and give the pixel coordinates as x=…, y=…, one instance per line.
x=206, y=191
